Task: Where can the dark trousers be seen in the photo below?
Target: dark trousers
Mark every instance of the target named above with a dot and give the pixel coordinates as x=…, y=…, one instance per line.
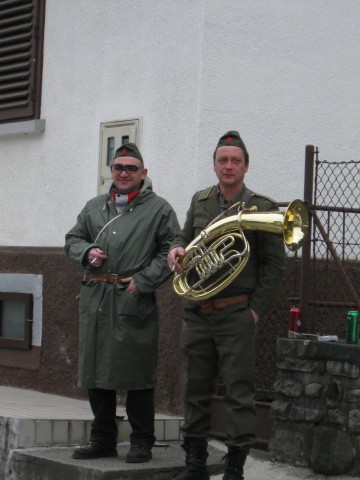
x=222, y=341
x=140, y=410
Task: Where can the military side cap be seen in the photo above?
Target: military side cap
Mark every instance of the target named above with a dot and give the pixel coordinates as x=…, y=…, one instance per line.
x=128, y=150
x=231, y=139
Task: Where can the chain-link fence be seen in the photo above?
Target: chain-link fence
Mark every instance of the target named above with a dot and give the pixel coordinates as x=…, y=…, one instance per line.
x=335, y=281
x=325, y=280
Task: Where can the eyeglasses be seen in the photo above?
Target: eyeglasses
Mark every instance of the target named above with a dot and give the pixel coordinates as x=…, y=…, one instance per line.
x=118, y=168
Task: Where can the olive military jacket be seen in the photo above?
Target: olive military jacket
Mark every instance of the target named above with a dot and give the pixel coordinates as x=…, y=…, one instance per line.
x=118, y=330
x=263, y=273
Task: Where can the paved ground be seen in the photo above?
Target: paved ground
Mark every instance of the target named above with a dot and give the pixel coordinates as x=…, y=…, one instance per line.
x=21, y=403
x=259, y=467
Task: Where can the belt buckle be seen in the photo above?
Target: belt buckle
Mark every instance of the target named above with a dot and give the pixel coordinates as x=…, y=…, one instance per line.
x=207, y=307
x=111, y=275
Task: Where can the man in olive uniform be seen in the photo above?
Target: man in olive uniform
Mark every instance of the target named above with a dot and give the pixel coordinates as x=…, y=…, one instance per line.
x=219, y=336
x=122, y=239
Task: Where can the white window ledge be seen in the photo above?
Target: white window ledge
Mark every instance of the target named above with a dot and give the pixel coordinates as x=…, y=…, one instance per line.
x=22, y=128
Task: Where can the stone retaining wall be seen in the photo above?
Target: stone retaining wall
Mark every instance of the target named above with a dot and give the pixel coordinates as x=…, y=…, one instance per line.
x=316, y=410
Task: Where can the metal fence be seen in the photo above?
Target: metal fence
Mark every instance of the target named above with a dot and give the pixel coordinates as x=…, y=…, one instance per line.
x=324, y=278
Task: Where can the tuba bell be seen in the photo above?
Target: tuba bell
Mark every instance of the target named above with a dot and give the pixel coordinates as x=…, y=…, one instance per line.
x=220, y=252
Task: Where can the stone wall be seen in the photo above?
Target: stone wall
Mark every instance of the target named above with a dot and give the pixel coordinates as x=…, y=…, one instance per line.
x=316, y=410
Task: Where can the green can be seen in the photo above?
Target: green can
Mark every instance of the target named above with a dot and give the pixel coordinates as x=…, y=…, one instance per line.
x=352, y=327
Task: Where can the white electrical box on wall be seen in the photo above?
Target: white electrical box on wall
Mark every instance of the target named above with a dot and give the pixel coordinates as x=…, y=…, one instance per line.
x=112, y=136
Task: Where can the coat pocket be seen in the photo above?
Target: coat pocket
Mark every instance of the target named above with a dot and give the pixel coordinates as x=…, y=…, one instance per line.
x=135, y=308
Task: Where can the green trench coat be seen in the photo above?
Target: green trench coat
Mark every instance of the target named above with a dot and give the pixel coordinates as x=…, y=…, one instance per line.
x=119, y=331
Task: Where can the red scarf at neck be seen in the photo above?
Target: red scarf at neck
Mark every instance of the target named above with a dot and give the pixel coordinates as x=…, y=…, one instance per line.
x=125, y=197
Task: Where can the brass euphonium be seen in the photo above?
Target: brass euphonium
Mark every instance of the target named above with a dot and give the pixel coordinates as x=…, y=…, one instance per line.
x=220, y=252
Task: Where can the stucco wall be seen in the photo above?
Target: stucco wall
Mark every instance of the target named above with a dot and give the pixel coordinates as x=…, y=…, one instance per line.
x=284, y=73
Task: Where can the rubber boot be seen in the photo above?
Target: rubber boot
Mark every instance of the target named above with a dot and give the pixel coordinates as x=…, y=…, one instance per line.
x=235, y=461
x=195, y=460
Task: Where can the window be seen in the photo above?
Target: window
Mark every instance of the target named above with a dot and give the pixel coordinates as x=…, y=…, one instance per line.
x=16, y=312
x=21, y=51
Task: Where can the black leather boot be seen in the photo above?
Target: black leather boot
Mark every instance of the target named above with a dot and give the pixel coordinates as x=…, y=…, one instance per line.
x=94, y=449
x=235, y=461
x=139, y=454
x=196, y=456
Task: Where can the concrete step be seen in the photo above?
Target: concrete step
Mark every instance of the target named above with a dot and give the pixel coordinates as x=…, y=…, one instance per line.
x=30, y=432
x=58, y=464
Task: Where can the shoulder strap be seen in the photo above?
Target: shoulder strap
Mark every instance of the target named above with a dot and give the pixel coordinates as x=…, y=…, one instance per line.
x=107, y=224
x=244, y=199
x=246, y=196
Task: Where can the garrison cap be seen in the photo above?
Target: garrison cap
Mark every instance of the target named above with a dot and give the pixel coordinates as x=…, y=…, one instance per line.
x=231, y=139
x=128, y=150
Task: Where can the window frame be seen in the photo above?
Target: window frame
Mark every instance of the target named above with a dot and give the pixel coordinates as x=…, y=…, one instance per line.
x=31, y=51
x=25, y=343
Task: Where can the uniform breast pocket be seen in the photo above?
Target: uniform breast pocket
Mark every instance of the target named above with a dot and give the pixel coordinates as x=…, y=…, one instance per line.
x=199, y=225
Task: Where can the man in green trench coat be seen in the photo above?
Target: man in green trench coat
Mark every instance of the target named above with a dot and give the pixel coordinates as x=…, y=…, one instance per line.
x=122, y=239
x=219, y=336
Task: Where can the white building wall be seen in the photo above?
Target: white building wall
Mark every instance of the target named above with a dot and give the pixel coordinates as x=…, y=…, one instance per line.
x=284, y=73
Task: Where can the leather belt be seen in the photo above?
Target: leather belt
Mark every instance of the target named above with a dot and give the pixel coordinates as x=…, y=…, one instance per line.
x=105, y=277
x=208, y=306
